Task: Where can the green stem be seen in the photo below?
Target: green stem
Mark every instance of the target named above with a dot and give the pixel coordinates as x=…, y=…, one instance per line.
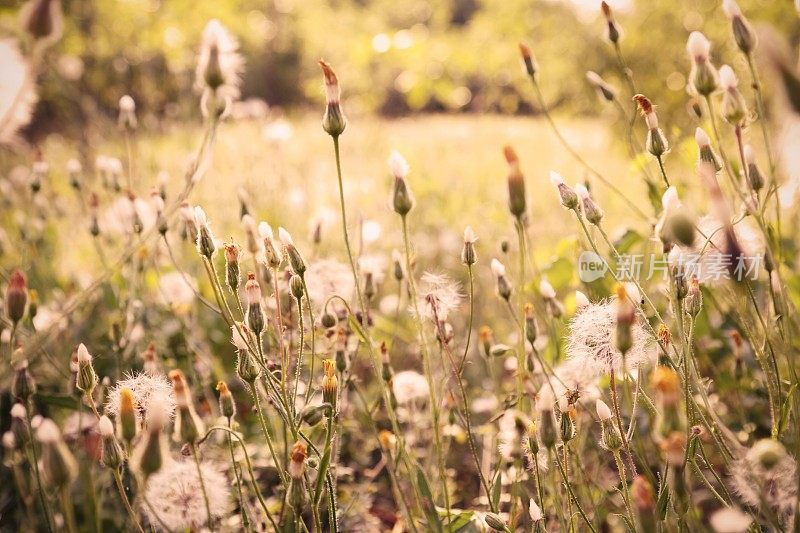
x=202, y=483
x=66, y=505
x=263, y=423
x=124, y=497
x=37, y=474
x=572, y=494
x=235, y=466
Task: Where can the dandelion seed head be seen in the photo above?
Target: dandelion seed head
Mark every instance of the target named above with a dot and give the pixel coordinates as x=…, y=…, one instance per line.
x=776, y=486
x=409, y=386
x=285, y=237
x=176, y=495
x=581, y=300
x=730, y=520
x=591, y=340
x=151, y=393
x=582, y=191
x=438, y=296
x=219, y=50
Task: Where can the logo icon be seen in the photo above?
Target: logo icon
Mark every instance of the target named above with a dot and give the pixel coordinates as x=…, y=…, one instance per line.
x=591, y=266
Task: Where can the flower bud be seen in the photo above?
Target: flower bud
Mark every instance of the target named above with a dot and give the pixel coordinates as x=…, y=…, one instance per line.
x=295, y=259
x=610, y=437
x=246, y=366
x=733, y=108
x=591, y=210
x=754, y=176
x=149, y=455
x=328, y=320
x=604, y=89
x=273, y=256
x=547, y=429
x=468, y=255
x=16, y=296
x=527, y=59
x=226, y=404
x=42, y=19
x=111, y=454
x=127, y=113
x=87, y=378
x=516, y=183
x=402, y=199
x=503, y=284
x=297, y=485
x=232, y=266
x=693, y=302
x=23, y=386
x=743, y=33
x=567, y=422
x=333, y=121
x=127, y=415
x=397, y=262
x=330, y=384
x=494, y=521
x=485, y=338
x=313, y=414
x=612, y=30
x=296, y=287
x=707, y=153
x=188, y=426
x=568, y=196
x=59, y=467
x=531, y=327
x=205, y=240
x=703, y=77
x=255, y=313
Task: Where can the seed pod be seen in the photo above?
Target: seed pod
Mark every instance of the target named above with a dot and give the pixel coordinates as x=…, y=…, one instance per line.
x=591, y=211
x=531, y=327
x=494, y=521
x=298, y=497
x=402, y=199
x=694, y=298
x=567, y=195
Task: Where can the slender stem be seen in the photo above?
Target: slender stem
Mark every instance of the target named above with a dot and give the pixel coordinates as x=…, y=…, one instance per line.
x=202, y=483
x=663, y=171
x=312, y=327
x=471, y=316
x=623, y=479
x=37, y=474
x=572, y=495
x=260, y=415
x=521, y=363
x=299, y=363
x=69, y=512
x=235, y=466
x=124, y=497
x=426, y=364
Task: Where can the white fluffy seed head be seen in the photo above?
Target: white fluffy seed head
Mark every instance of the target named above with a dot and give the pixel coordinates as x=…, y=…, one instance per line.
x=582, y=191
x=555, y=178
x=727, y=78
x=127, y=104
x=546, y=289
x=48, y=432
x=18, y=411
x=698, y=46
x=398, y=165
x=581, y=300
x=730, y=520
x=701, y=138
x=498, y=269
x=83, y=354
x=603, y=411
x=285, y=237
x=265, y=230
x=200, y=218
x=105, y=426
x=157, y=415
x=469, y=235
x=731, y=8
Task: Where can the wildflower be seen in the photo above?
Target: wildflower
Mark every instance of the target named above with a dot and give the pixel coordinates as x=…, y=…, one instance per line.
x=330, y=384
x=656, y=142
x=743, y=33
x=176, y=496
x=296, y=468
x=205, y=239
x=591, y=340
x=568, y=196
x=516, y=183
x=272, y=254
x=292, y=253
x=527, y=59
x=554, y=307
x=503, y=283
x=127, y=113
x=754, y=177
x=188, y=426
x=438, y=296
x=531, y=327
x=703, y=77
x=59, y=467
x=592, y=211
x=333, y=121
x=707, y=153
x=219, y=68
x=42, y=19
x=255, y=313
x=766, y=475
x=408, y=386
x=112, y=455
x=23, y=386
x=232, y=251
x=16, y=296
x=730, y=520
x=613, y=32
x=402, y=199
x=149, y=391
x=226, y=404
x=87, y=378
x=734, y=107
x=468, y=255
x=605, y=90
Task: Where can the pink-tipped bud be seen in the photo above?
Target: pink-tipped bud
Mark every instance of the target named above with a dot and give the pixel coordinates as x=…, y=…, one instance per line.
x=16, y=296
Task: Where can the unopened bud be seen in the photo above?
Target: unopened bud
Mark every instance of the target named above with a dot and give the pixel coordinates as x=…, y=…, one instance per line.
x=16, y=296
x=226, y=404
x=333, y=121
x=516, y=183
x=591, y=211
x=330, y=383
x=468, y=255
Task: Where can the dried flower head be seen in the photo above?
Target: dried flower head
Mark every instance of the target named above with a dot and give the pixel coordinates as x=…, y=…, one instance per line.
x=438, y=296
x=176, y=497
x=149, y=390
x=409, y=386
x=767, y=475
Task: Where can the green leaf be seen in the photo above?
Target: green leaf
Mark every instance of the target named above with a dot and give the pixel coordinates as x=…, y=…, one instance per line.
x=62, y=401
x=459, y=518
x=428, y=505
